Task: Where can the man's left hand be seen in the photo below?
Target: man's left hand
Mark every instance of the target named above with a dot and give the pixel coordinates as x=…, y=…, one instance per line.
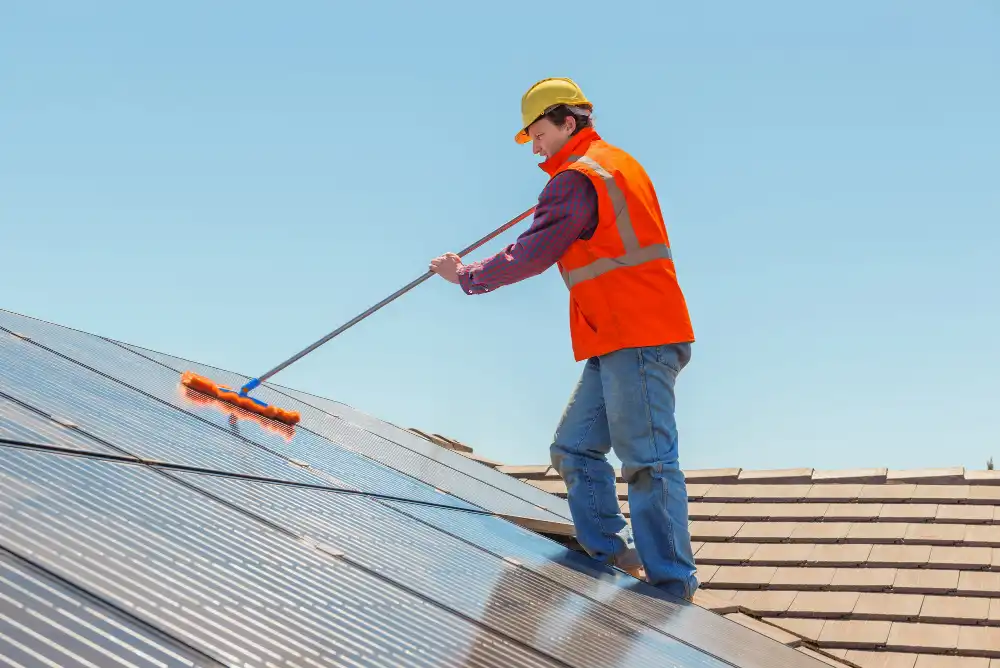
x=447, y=267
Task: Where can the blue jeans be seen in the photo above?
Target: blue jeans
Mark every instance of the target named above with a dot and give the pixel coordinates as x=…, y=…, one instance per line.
x=625, y=402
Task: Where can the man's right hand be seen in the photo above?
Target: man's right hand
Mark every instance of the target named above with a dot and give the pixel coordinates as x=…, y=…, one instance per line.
x=447, y=266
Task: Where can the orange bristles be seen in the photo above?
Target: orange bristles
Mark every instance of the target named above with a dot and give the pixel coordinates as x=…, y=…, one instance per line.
x=204, y=385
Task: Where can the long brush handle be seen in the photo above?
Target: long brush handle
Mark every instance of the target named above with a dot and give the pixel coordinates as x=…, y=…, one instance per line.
x=398, y=293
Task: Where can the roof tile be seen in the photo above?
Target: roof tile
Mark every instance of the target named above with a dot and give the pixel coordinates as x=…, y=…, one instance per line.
x=940, y=493
x=901, y=492
x=821, y=532
x=993, y=616
x=698, y=491
x=766, y=531
x=783, y=554
x=743, y=577
x=810, y=629
x=917, y=637
x=989, y=494
x=961, y=557
x=872, y=476
x=984, y=536
x=881, y=606
x=981, y=478
x=943, y=475
x=853, y=512
x=845, y=633
x=705, y=530
x=868, y=659
x=824, y=603
x=762, y=512
x=864, y=579
x=934, y=534
x=908, y=511
x=725, y=553
x=777, y=475
x=700, y=510
x=835, y=492
x=925, y=581
x=757, y=492
x=711, y=601
x=979, y=639
x=780, y=635
x=728, y=493
x=705, y=573
x=954, y=609
x=877, y=532
x=841, y=554
x=966, y=513
x=978, y=583
x=907, y=556
x=712, y=475
x=765, y=602
x=791, y=577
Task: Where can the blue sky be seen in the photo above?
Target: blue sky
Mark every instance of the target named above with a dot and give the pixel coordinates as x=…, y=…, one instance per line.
x=230, y=181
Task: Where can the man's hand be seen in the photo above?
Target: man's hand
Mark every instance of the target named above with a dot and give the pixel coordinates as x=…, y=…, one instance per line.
x=447, y=267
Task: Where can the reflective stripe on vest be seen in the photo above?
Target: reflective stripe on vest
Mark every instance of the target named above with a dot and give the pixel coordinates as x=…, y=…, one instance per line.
x=634, y=254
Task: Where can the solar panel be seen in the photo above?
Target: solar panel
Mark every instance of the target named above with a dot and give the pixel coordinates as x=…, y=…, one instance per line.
x=144, y=427
x=322, y=440
x=232, y=587
x=19, y=424
x=45, y=622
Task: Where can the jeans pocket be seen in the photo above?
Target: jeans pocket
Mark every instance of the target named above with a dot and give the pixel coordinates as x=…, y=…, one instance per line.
x=671, y=356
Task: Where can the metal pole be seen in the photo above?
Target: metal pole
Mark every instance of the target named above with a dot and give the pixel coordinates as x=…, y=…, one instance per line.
x=398, y=293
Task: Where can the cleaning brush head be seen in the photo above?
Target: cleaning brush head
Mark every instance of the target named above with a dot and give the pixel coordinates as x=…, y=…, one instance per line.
x=207, y=386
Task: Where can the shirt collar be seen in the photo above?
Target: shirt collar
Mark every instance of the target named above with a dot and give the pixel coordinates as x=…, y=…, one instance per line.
x=577, y=144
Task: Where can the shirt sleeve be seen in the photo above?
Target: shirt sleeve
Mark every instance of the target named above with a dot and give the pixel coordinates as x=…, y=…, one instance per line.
x=566, y=211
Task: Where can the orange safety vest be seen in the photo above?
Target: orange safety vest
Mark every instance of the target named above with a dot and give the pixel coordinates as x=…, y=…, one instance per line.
x=623, y=288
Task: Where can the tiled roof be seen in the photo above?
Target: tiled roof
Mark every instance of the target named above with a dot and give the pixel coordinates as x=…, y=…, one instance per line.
x=873, y=567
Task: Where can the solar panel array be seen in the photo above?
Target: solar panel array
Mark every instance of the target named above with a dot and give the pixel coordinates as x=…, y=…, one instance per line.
x=143, y=526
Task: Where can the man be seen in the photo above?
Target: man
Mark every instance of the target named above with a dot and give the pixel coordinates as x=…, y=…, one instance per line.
x=599, y=220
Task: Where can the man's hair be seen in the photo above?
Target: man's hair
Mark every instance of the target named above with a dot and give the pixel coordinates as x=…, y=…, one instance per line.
x=559, y=113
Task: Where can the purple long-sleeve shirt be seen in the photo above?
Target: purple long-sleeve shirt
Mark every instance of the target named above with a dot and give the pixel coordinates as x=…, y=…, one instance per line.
x=566, y=211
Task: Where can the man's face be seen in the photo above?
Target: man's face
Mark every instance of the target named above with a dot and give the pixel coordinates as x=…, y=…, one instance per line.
x=547, y=137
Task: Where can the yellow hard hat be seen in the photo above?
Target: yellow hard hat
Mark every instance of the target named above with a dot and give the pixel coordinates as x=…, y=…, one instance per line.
x=544, y=94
